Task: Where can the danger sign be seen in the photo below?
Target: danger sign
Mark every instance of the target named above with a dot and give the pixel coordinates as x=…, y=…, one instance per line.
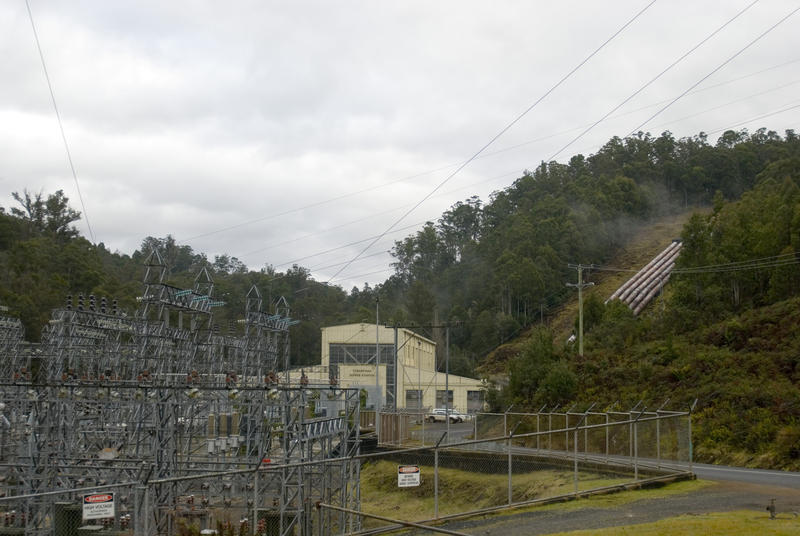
x=407, y=476
x=98, y=506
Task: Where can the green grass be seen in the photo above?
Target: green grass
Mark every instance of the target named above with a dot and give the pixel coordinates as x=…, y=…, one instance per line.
x=462, y=491
x=742, y=522
x=612, y=500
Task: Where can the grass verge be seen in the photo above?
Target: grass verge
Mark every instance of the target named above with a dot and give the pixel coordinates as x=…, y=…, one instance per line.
x=741, y=522
x=462, y=491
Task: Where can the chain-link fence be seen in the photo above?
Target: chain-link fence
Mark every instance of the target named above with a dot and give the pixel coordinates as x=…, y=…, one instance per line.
x=659, y=437
x=100, y=509
x=493, y=461
x=272, y=500
x=511, y=459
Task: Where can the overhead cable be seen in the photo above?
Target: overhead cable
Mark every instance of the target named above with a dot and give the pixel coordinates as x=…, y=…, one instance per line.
x=720, y=66
x=498, y=135
x=652, y=80
x=758, y=118
x=60, y=124
x=485, y=155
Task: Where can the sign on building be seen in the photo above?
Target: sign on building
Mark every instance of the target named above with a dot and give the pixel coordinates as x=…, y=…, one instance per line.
x=98, y=506
x=407, y=476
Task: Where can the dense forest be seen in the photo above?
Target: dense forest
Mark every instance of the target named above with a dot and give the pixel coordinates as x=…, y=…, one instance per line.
x=492, y=269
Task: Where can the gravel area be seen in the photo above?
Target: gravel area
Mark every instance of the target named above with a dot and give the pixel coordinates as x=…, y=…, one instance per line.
x=719, y=497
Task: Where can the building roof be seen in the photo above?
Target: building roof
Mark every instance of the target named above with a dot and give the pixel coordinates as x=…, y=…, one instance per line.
x=363, y=326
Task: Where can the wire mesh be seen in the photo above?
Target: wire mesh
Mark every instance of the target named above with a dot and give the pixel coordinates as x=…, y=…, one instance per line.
x=542, y=456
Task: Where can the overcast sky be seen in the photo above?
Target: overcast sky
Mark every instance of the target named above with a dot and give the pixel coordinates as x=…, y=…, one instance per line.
x=294, y=132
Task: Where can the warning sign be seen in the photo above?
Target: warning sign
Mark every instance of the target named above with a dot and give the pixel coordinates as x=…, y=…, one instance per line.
x=407, y=476
x=98, y=506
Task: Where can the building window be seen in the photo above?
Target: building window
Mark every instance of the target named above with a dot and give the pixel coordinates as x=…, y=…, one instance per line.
x=364, y=354
x=413, y=398
x=474, y=401
x=440, y=401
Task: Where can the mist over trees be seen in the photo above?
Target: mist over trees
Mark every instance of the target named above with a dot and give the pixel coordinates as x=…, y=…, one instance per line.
x=494, y=269
x=489, y=268
x=498, y=267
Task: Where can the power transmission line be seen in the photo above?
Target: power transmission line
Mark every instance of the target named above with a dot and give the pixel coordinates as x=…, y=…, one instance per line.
x=486, y=155
x=384, y=270
x=502, y=131
x=60, y=125
x=770, y=114
x=736, y=101
x=652, y=80
x=517, y=172
x=774, y=261
x=720, y=66
x=406, y=228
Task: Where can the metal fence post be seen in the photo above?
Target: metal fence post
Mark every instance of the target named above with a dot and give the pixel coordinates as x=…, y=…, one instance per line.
x=575, y=476
x=436, y=483
x=658, y=433
x=508, y=446
x=586, y=440
x=630, y=428
x=636, y=450
x=575, y=444
x=436, y=476
x=510, y=435
x=505, y=419
x=658, y=440
x=630, y=435
x=254, y=523
x=690, y=442
x=635, y=425
x=146, y=511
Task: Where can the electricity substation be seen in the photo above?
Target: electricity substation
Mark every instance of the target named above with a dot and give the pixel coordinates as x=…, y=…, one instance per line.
x=182, y=424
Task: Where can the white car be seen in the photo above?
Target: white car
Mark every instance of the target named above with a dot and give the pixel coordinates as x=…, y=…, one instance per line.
x=440, y=415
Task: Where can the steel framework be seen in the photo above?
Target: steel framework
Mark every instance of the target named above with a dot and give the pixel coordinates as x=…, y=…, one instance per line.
x=160, y=398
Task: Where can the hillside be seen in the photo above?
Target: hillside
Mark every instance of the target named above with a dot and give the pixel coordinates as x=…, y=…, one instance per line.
x=744, y=373
x=643, y=246
x=491, y=270
x=645, y=243
x=724, y=333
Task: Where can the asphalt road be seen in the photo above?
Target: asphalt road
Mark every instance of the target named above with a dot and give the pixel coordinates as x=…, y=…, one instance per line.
x=786, y=479
x=764, y=477
x=722, y=496
x=433, y=431
x=736, y=488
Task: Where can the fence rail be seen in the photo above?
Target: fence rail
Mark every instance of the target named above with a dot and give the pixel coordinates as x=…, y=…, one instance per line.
x=423, y=473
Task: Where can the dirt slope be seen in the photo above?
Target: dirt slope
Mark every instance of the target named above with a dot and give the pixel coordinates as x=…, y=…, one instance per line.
x=645, y=244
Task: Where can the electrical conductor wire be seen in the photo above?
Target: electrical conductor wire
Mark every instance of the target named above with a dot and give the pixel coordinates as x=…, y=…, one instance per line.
x=496, y=137
x=60, y=125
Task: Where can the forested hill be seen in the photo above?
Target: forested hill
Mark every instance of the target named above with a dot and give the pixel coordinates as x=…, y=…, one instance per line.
x=499, y=267
x=488, y=267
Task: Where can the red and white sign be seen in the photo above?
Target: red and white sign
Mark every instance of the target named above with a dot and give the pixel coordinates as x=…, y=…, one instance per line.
x=407, y=476
x=98, y=506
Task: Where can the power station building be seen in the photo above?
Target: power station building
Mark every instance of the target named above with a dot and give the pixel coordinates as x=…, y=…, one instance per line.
x=405, y=378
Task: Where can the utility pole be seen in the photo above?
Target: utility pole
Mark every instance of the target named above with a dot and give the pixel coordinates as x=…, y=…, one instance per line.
x=447, y=326
x=447, y=380
x=580, y=286
x=377, y=357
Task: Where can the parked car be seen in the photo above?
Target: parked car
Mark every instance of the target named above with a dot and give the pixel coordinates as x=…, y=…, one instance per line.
x=440, y=415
